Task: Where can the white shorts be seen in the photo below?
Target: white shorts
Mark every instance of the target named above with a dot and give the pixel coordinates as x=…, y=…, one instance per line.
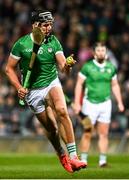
x=35, y=98
x=97, y=112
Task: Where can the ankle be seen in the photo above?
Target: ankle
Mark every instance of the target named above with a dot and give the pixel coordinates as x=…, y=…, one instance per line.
x=102, y=158
x=71, y=147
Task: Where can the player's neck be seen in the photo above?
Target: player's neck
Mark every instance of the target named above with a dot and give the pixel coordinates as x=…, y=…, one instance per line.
x=99, y=64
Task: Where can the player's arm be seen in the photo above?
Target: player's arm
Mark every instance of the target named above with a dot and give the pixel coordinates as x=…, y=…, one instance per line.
x=65, y=64
x=117, y=93
x=78, y=93
x=11, y=73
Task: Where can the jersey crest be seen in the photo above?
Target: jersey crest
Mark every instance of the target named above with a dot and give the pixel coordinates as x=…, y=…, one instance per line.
x=50, y=50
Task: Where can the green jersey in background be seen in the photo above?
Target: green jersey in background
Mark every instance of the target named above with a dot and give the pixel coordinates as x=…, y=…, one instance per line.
x=44, y=70
x=98, y=79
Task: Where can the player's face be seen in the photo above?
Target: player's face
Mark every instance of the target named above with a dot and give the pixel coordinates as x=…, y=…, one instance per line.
x=100, y=53
x=46, y=27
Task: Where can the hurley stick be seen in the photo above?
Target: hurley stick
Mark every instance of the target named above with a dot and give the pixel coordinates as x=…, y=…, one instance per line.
x=38, y=38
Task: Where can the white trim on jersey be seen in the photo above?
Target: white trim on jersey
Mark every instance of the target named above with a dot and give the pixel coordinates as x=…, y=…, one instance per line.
x=59, y=52
x=15, y=57
x=31, y=37
x=114, y=77
x=82, y=75
x=98, y=64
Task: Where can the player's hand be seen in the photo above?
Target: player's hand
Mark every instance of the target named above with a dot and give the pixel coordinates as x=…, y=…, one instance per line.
x=76, y=107
x=121, y=107
x=70, y=61
x=22, y=92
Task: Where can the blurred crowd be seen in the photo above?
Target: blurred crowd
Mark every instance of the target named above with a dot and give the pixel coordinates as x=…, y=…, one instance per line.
x=78, y=25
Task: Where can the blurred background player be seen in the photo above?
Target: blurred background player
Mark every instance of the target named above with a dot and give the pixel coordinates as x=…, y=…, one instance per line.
x=98, y=77
x=44, y=82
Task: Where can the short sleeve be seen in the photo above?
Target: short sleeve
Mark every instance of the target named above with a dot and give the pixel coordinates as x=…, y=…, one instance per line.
x=57, y=46
x=114, y=72
x=16, y=50
x=83, y=70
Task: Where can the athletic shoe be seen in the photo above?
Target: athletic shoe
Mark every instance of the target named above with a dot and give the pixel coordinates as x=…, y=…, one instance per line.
x=65, y=161
x=102, y=163
x=77, y=164
x=83, y=160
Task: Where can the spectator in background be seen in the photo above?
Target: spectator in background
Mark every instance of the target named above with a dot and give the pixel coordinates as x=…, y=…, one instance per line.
x=84, y=51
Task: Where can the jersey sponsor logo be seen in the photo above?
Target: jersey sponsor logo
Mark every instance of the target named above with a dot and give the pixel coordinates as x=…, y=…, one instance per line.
x=50, y=50
x=28, y=50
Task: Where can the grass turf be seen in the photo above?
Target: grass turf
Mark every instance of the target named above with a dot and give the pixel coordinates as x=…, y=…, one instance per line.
x=47, y=166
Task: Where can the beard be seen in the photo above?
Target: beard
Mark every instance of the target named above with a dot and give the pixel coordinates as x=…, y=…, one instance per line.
x=100, y=60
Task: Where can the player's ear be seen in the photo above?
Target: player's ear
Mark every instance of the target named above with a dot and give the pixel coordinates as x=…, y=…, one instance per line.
x=106, y=56
x=95, y=56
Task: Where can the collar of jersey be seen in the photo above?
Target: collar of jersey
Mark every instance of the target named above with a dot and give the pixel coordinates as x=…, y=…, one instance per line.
x=49, y=38
x=31, y=37
x=98, y=64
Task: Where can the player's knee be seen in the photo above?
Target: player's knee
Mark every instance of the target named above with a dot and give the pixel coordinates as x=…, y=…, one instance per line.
x=62, y=112
x=86, y=123
x=103, y=136
x=87, y=135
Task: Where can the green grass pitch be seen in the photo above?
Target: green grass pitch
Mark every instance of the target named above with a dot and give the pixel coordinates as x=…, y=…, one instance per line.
x=47, y=166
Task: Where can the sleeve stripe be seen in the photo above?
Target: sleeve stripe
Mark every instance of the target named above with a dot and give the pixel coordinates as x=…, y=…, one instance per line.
x=82, y=75
x=15, y=57
x=114, y=77
x=59, y=52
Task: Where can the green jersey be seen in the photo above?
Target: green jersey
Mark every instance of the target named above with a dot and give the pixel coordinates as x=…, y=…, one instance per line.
x=45, y=69
x=98, y=79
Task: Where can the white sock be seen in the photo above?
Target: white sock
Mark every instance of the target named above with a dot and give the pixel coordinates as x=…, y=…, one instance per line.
x=84, y=157
x=71, y=147
x=102, y=159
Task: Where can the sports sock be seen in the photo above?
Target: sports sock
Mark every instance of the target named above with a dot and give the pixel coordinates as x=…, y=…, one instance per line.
x=84, y=156
x=102, y=158
x=71, y=147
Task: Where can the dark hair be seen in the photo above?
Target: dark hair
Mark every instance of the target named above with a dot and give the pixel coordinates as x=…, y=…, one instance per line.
x=41, y=16
x=99, y=44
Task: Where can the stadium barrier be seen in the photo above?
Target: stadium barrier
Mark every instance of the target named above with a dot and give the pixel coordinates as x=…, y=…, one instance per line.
x=21, y=144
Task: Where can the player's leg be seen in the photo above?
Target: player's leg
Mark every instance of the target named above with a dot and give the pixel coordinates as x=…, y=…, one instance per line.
x=35, y=100
x=86, y=137
x=57, y=96
x=103, y=130
x=51, y=112
x=51, y=131
x=88, y=117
